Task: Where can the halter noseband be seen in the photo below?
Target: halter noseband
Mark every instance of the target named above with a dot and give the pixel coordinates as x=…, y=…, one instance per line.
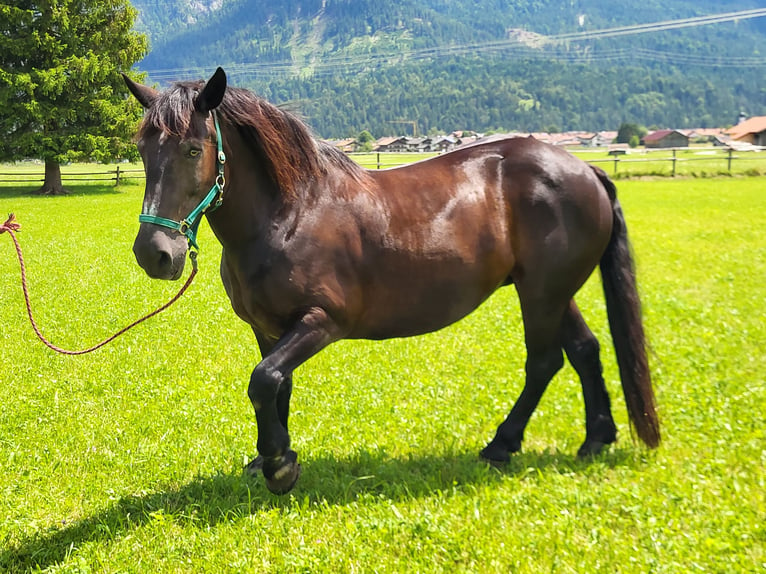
x=213, y=200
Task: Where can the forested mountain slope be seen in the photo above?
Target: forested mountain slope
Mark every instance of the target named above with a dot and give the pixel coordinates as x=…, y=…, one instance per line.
x=470, y=64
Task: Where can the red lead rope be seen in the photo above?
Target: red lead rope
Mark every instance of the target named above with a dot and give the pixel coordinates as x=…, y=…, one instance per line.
x=12, y=226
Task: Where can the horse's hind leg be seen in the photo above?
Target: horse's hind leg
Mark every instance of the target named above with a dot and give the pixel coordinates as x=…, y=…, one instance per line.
x=542, y=331
x=582, y=350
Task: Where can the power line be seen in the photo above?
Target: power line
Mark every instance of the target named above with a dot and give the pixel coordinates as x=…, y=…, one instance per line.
x=555, y=45
x=665, y=25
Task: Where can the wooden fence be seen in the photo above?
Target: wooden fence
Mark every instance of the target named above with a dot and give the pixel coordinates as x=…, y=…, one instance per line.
x=716, y=158
x=635, y=162
x=115, y=175
x=671, y=162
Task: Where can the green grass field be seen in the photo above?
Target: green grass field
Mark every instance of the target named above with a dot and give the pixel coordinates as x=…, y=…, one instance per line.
x=129, y=459
x=691, y=162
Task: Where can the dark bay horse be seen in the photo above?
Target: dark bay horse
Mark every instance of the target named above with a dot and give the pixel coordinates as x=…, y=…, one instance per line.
x=317, y=249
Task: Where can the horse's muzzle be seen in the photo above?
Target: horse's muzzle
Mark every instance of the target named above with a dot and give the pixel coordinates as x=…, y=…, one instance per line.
x=161, y=253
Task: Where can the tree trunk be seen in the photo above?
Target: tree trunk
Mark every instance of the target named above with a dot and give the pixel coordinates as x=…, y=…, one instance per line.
x=52, y=184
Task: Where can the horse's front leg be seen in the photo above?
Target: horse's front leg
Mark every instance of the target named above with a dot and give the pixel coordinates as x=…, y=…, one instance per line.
x=265, y=345
x=269, y=392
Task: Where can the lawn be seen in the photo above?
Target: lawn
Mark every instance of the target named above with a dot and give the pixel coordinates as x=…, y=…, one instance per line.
x=129, y=459
x=690, y=162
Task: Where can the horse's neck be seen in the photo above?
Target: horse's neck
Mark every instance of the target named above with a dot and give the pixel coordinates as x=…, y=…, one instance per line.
x=248, y=199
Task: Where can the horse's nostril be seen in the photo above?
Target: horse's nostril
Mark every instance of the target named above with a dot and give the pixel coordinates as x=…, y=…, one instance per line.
x=164, y=260
x=160, y=255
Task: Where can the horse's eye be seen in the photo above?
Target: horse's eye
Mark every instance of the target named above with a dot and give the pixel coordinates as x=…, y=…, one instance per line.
x=194, y=152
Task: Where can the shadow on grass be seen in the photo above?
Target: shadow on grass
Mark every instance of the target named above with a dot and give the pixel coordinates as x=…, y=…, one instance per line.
x=225, y=497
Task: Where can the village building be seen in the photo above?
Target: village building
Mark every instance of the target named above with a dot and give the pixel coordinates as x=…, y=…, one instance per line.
x=666, y=139
x=391, y=144
x=444, y=143
x=751, y=131
x=703, y=135
x=347, y=145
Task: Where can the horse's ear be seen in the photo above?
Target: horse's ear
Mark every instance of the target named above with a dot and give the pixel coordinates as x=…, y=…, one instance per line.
x=212, y=94
x=144, y=94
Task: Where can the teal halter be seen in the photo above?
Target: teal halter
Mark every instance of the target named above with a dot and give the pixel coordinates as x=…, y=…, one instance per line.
x=213, y=200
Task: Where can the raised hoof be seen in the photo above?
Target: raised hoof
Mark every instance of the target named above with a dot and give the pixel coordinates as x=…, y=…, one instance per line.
x=282, y=473
x=591, y=448
x=254, y=466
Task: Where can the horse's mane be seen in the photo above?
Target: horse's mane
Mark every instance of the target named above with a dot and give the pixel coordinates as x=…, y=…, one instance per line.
x=293, y=155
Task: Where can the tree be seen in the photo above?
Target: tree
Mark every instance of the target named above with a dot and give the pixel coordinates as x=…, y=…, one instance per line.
x=61, y=94
x=628, y=131
x=365, y=140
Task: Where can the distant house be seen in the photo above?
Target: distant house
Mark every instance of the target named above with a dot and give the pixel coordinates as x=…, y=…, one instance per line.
x=467, y=140
x=418, y=144
x=666, y=139
x=392, y=144
x=703, y=135
x=443, y=143
x=347, y=145
x=588, y=139
x=566, y=140
x=752, y=131
x=722, y=141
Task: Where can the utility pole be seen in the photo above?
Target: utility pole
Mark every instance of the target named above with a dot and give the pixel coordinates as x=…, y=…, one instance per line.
x=413, y=123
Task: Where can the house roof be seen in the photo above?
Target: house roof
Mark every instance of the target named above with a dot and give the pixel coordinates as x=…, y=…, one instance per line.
x=702, y=132
x=342, y=143
x=754, y=125
x=388, y=140
x=660, y=134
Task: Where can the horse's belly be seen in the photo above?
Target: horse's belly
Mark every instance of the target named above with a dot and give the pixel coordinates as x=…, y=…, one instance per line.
x=415, y=303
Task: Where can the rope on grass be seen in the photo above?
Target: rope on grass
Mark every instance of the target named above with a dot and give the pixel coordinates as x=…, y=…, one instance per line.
x=12, y=226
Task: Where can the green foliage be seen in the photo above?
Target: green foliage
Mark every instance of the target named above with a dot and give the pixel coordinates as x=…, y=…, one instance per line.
x=630, y=132
x=130, y=460
x=365, y=137
x=365, y=140
x=358, y=65
x=61, y=93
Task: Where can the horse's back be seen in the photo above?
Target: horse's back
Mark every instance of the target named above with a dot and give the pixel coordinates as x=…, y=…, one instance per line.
x=434, y=250
x=516, y=190
x=443, y=234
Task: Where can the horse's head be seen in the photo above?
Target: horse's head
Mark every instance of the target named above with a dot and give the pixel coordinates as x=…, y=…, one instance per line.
x=177, y=142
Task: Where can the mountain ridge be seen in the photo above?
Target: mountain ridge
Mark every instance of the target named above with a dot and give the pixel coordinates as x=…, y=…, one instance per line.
x=398, y=60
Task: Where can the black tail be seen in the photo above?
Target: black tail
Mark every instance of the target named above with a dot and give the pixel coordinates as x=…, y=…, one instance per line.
x=624, y=310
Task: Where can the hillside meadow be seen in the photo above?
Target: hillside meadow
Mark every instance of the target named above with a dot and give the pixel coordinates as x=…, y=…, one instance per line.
x=129, y=459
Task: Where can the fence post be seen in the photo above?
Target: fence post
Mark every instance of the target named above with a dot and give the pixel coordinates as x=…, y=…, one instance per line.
x=729, y=159
x=378, y=160
x=117, y=177
x=616, y=161
x=674, y=162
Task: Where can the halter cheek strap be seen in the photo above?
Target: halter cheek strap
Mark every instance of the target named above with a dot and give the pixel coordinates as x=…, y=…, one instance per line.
x=212, y=201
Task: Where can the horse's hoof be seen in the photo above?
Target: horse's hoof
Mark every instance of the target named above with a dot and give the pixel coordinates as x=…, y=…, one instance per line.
x=495, y=455
x=254, y=466
x=284, y=479
x=591, y=448
x=282, y=473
